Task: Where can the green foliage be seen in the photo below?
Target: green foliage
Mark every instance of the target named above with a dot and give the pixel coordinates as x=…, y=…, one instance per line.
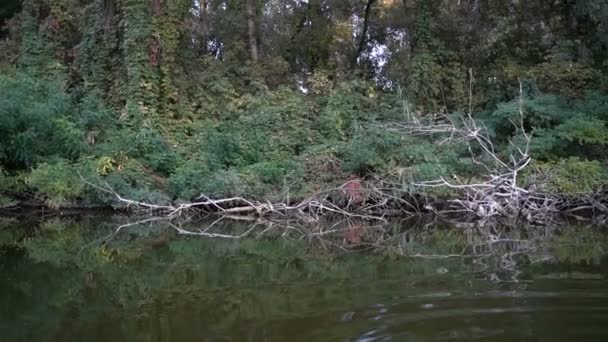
x=560, y=128
x=36, y=50
x=4, y=186
x=57, y=181
x=424, y=82
x=189, y=179
x=158, y=155
x=594, y=104
x=574, y=175
x=406, y=158
x=321, y=165
x=36, y=122
x=347, y=107
x=268, y=172
x=365, y=153
x=224, y=184
x=568, y=79
x=584, y=131
x=133, y=180
x=543, y=111
x=309, y=48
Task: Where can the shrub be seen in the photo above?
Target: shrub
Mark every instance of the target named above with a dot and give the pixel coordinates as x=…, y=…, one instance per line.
x=136, y=182
x=540, y=112
x=321, y=165
x=189, y=179
x=36, y=122
x=573, y=175
x=560, y=128
x=265, y=177
x=57, y=181
x=583, y=131
x=569, y=79
x=224, y=183
x=4, y=185
x=348, y=104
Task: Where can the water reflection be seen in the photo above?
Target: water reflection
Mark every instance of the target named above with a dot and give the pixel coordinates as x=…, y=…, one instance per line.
x=77, y=279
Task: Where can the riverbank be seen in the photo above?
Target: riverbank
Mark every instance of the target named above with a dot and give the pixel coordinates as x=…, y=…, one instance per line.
x=358, y=199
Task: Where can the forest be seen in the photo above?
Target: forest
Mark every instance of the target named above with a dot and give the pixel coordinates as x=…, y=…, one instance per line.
x=495, y=107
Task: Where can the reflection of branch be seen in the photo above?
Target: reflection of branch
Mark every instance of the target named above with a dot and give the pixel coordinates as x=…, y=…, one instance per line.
x=494, y=251
x=108, y=237
x=210, y=235
x=137, y=223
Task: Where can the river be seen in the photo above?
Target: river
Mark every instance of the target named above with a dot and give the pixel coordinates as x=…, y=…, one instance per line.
x=76, y=279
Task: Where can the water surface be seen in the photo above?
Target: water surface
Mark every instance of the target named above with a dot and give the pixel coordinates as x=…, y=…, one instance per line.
x=71, y=279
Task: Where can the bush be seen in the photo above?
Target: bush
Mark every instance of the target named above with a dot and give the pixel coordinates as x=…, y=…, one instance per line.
x=321, y=165
x=544, y=111
x=57, y=181
x=370, y=150
x=568, y=79
x=573, y=175
x=4, y=186
x=560, y=128
x=224, y=184
x=348, y=104
x=36, y=122
x=189, y=179
x=136, y=182
x=263, y=178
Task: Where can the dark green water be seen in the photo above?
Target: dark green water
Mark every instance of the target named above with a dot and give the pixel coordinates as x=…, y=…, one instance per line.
x=65, y=280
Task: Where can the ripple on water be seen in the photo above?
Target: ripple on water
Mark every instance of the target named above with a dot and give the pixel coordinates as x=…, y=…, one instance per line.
x=493, y=316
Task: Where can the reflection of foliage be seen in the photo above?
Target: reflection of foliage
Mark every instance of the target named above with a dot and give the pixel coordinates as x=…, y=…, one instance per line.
x=7, y=236
x=580, y=245
x=89, y=272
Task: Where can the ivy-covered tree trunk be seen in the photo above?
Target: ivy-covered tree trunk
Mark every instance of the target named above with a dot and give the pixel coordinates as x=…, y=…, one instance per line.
x=136, y=46
x=127, y=54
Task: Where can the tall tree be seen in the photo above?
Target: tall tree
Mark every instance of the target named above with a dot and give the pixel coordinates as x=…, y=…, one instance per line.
x=363, y=39
x=252, y=35
x=203, y=26
x=8, y=9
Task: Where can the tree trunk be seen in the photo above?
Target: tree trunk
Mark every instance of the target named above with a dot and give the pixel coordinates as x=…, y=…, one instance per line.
x=157, y=7
x=154, y=46
x=204, y=26
x=251, y=29
x=368, y=9
x=110, y=7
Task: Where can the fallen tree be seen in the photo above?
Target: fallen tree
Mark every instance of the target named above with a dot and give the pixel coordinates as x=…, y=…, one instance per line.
x=499, y=193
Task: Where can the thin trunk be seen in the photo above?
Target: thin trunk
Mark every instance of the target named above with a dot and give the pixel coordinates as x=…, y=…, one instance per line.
x=154, y=46
x=110, y=7
x=157, y=7
x=204, y=26
x=362, y=42
x=251, y=29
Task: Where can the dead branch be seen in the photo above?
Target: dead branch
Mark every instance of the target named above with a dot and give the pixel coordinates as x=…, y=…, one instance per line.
x=498, y=194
